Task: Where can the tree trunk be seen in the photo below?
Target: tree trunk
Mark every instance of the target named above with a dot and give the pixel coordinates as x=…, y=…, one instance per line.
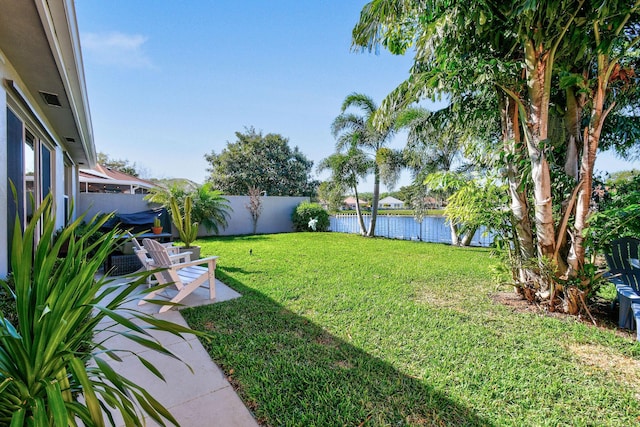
x=455, y=239
x=519, y=204
x=363, y=229
x=536, y=131
x=576, y=255
x=468, y=237
x=376, y=197
x=573, y=117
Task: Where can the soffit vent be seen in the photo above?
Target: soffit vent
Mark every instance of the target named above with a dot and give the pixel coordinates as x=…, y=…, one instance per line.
x=69, y=139
x=51, y=99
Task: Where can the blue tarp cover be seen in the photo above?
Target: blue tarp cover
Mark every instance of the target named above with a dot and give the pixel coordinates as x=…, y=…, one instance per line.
x=137, y=218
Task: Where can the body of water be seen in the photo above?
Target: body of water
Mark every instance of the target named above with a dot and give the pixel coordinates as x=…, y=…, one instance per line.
x=432, y=228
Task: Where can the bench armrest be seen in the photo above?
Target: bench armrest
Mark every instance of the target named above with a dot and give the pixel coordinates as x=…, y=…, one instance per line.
x=208, y=260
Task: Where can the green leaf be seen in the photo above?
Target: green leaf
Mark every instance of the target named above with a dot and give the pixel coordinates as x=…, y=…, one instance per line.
x=91, y=400
x=56, y=404
x=17, y=420
x=151, y=367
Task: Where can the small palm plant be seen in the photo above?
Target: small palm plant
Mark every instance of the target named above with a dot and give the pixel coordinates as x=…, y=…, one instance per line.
x=187, y=230
x=51, y=370
x=209, y=207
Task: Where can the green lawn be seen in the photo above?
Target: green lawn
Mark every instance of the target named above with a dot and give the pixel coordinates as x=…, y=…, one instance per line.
x=336, y=329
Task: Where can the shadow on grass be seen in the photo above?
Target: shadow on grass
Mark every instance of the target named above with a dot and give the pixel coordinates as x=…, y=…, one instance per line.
x=290, y=371
x=234, y=237
x=235, y=270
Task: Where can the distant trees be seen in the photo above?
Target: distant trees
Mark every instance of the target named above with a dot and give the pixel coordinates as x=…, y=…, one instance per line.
x=119, y=165
x=332, y=194
x=265, y=162
x=618, y=210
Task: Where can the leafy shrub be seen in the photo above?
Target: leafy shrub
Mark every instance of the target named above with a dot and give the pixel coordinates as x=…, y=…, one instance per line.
x=93, y=236
x=305, y=212
x=208, y=206
x=7, y=302
x=52, y=372
x=618, y=215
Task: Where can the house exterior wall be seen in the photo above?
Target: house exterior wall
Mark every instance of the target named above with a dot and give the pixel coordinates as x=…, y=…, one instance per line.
x=35, y=121
x=48, y=60
x=26, y=110
x=4, y=244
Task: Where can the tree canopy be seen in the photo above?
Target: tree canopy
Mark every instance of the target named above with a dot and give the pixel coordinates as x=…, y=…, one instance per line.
x=357, y=137
x=120, y=165
x=265, y=162
x=553, y=72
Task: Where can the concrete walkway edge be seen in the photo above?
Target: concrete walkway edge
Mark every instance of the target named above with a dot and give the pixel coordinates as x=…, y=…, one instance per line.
x=203, y=397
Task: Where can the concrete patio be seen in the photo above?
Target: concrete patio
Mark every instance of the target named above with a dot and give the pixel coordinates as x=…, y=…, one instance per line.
x=199, y=398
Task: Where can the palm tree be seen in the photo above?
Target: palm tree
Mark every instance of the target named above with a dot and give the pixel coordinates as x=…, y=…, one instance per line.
x=433, y=142
x=346, y=171
x=210, y=207
x=355, y=131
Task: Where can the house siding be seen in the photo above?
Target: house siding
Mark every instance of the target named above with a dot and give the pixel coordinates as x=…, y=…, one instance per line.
x=4, y=260
x=14, y=117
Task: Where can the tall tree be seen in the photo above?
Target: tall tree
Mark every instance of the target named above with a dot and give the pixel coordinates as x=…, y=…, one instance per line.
x=261, y=161
x=521, y=48
x=452, y=57
x=611, y=38
x=346, y=171
x=433, y=140
x=357, y=131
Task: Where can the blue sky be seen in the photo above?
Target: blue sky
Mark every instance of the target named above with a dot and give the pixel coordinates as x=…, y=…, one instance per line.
x=169, y=81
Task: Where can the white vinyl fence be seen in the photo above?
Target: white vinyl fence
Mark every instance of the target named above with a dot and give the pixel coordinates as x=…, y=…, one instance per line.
x=431, y=229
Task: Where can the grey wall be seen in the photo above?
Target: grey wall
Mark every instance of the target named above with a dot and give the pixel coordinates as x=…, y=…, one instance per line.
x=275, y=217
x=103, y=203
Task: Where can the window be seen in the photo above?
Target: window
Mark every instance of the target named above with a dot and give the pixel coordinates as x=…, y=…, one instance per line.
x=29, y=174
x=68, y=188
x=45, y=170
x=29, y=168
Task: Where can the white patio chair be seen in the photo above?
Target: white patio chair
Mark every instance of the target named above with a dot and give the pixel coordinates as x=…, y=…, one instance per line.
x=146, y=260
x=185, y=276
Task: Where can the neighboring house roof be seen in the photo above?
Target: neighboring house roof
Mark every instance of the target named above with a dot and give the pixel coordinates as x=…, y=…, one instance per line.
x=431, y=200
x=352, y=201
x=107, y=176
x=390, y=201
x=41, y=40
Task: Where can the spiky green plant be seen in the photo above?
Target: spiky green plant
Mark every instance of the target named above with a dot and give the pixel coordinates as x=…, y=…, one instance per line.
x=209, y=207
x=187, y=230
x=51, y=370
